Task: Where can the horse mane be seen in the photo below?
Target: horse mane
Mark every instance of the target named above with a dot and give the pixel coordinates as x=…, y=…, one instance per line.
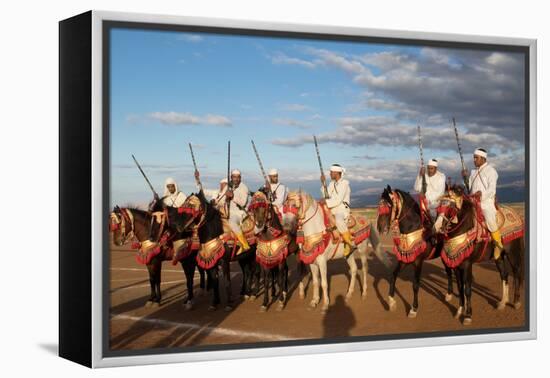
x=408, y=200
x=213, y=226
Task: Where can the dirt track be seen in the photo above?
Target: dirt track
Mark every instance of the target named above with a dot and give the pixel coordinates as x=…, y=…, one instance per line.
x=134, y=326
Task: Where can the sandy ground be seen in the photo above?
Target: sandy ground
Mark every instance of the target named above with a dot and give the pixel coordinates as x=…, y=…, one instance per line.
x=133, y=326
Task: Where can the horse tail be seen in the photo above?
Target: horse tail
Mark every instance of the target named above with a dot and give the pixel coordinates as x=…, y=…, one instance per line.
x=374, y=239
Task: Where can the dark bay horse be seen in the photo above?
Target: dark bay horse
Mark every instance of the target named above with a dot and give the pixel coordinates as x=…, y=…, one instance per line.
x=214, y=253
x=467, y=242
x=127, y=223
x=415, y=242
x=274, y=246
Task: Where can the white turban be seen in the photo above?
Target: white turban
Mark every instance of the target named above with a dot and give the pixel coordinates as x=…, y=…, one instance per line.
x=169, y=181
x=337, y=168
x=235, y=172
x=432, y=163
x=223, y=180
x=273, y=172
x=481, y=152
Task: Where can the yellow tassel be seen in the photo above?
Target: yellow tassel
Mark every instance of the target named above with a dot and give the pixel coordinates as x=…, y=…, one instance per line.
x=349, y=244
x=497, y=239
x=244, y=243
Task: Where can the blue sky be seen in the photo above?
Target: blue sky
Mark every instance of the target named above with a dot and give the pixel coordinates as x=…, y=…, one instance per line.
x=363, y=101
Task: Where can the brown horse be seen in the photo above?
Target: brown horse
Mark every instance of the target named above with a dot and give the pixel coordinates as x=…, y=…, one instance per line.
x=274, y=246
x=127, y=224
x=413, y=245
x=468, y=242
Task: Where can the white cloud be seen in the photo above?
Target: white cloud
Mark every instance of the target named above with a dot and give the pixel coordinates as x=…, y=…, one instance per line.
x=295, y=107
x=180, y=119
x=193, y=38
x=291, y=122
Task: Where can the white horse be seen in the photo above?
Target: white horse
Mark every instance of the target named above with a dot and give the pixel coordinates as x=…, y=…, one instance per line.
x=302, y=211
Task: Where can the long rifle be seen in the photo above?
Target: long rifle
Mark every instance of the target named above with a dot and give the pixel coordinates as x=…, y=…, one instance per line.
x=229, y=184
x=325, y=190
x=466, y=185
x=195, y=165
x=424, y=183
x=262, y=170
x=145, y=177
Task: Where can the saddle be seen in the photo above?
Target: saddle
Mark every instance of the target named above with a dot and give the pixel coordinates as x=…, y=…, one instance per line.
x=510, y=223
x=247, y=228
x=358, y=226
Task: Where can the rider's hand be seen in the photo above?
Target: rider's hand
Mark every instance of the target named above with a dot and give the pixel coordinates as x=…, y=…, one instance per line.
x=422, y=171
x=156, y=197
x=322, y=201
x=464, y=173
x=478, y=194
x=323, y=179
x=197, y=175
x=229, y=195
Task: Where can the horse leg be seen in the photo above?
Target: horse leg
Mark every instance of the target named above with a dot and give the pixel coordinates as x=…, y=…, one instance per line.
x=515, y=258
x=449, y=295
x=202, y=283
x=501, y=266
x=364, y=269
x=416, y=286
x=242, y=264
x=226, y=268
x=468, y=292
x=256, y=272
x=459, y=273
x=324, y=283
x=353, y=273
x=151, y=271
x=391, y=300
x=282, y=293
x=302, y=274
x=157, y=267
x=315, y=275
x=267, y=278
x=274, y=274
x=188, y=266
x=213, y=280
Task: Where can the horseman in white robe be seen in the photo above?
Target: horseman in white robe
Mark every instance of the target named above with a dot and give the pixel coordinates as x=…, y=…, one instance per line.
x=238, y=199
x=172, y=196
x=278, y=190
x=217, y=197
x=338, y=202
x=435, y=185
x=483, y=183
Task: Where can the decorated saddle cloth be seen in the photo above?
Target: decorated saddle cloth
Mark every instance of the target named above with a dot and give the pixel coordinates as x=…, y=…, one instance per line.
x=270, y=253
x=247, y=227
x=407, y=247
x=459, y=248
x=359, y=227
x=210, y=253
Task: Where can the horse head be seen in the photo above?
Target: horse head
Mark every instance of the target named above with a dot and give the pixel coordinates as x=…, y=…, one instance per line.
x=121, y=225
x=260, y=208
x=294, y=209
x=448, y=209
x=385, y=211
x=191, y=213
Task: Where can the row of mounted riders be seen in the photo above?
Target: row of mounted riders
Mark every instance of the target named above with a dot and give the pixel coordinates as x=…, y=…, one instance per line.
x=196, y=234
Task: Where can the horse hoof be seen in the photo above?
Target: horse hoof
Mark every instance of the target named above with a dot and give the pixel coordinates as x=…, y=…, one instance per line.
x=188, y=305
x=313, y=303
x=412, y=314
x=448, y=297
x=252, y=298
x=324, y=309
x=501, y=306
x=517, y=305
x=302, y=295
x=467, y=321
x=148, y=303
x=155, y=304
x=458, y=312
x=364, y=296
x=263, y=308
x=211, y=308
x=228, y=308
x=280, y=306
x=348, y=297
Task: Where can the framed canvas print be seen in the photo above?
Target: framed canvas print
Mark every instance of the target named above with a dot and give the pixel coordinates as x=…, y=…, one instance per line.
x=232, y=189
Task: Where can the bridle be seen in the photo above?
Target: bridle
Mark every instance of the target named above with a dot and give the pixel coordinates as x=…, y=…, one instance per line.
x=448, y=212
x=298, y=209
x=196, y=211
x=394, y=209
x=121, y=223
x=260, y=200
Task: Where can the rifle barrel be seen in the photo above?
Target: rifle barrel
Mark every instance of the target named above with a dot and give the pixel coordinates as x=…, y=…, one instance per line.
x=144, y=176
x=325, y=190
